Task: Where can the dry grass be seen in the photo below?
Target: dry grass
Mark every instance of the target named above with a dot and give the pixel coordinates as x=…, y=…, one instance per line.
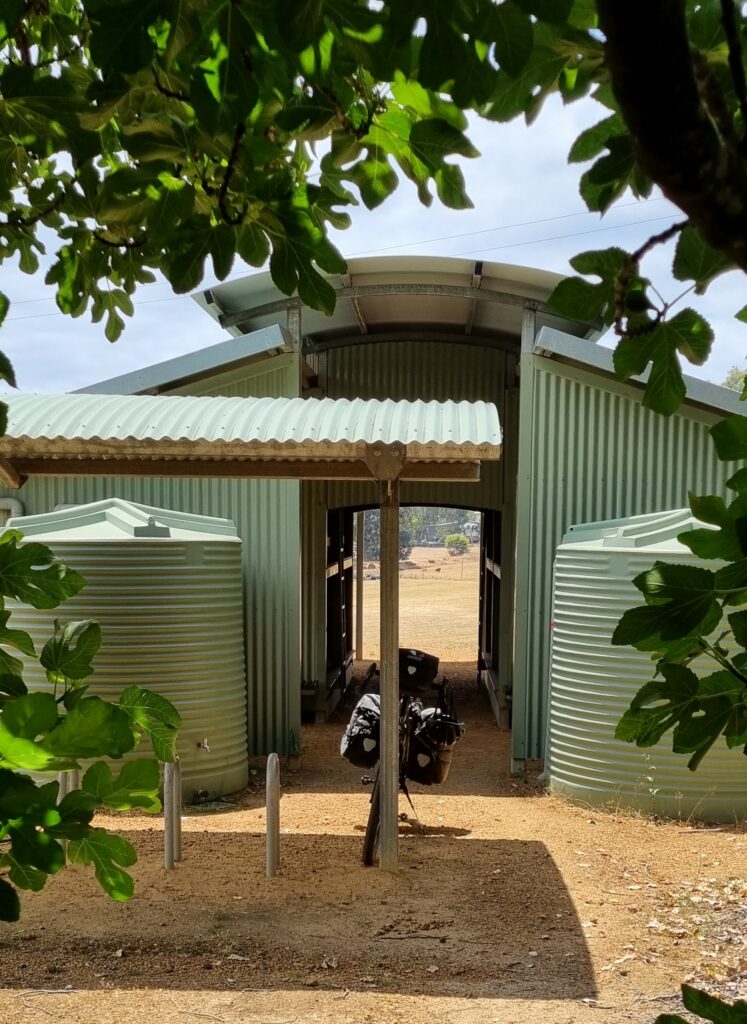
x=439, y=600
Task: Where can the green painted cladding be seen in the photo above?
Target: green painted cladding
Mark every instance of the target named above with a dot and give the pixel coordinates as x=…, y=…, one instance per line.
x=266, y=514
x=431, y=371
x=588, y=451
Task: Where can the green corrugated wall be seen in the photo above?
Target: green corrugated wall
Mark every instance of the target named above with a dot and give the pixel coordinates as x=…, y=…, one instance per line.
x=588, y=451
x=266, y=514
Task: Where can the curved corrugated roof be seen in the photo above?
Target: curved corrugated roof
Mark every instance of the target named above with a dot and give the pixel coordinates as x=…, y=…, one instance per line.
x=381, y=294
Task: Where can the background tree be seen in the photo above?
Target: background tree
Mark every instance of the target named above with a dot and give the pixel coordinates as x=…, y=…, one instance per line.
x=734, y=379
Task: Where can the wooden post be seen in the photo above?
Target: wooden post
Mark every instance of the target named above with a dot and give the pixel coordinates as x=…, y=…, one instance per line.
x=168, y=816
x=359, y=586
x=176, y=809
x=389, y=635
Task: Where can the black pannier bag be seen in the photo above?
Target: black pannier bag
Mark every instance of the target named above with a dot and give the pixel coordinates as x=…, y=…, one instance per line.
x=432, y=746
x=417, y=670
x=360, y=741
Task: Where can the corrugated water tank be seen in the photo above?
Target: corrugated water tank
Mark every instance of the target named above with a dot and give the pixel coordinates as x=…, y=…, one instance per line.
x=592, y=682
x=166, y=588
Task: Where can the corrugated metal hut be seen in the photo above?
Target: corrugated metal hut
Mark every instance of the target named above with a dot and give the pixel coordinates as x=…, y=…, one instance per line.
x=578, y=446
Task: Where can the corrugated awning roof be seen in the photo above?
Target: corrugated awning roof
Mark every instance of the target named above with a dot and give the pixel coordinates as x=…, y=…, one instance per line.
x=261, y=437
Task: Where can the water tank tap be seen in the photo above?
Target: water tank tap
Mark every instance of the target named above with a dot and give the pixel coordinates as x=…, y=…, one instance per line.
x=203, y=744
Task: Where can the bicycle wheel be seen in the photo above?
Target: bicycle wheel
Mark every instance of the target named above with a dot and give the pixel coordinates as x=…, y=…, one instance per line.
x=371, y=838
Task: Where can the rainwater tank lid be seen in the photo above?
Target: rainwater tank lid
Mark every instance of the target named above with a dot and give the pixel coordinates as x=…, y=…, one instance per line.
x=655, y=531
x=114, y=519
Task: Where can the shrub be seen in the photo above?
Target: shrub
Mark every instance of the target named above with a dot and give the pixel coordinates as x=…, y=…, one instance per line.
x=457, y=544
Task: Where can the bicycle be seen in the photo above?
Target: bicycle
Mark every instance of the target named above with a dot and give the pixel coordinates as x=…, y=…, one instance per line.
x=426, y=739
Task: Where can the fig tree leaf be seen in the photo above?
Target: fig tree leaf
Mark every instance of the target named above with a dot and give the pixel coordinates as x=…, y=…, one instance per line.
x=136, y=785
x=108, y=854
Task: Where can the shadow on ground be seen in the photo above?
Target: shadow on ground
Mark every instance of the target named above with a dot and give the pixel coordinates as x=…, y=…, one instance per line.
x=488, y=918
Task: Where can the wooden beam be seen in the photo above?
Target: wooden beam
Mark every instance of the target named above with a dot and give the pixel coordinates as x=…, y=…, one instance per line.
x=389, y=618
x=13, y=475
x=10, y=476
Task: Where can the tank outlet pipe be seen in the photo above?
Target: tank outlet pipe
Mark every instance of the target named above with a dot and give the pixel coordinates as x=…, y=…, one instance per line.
x=272, y=848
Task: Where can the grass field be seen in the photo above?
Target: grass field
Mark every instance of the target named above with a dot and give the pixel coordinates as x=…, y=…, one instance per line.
x=439, y=599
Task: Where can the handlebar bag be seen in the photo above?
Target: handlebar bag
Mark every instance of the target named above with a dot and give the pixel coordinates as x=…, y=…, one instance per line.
x=360, y=741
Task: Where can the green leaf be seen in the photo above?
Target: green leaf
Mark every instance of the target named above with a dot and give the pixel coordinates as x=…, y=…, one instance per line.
x=578, y=299
x=691, y=335
x=92, y=728
x=67, y=655
x=314, y=290
x=730, y=437
x=31, y=715
x=712, y=1008
x=731, y=582
x=136, y=785
x=433, y=139
x=512, y=33
x=33, y=846
x=672, y=697
x=375, y=179
x=223, y=249
x=31, y=573
x=729, y=542
x=155, y=716
x=24, y=875
x=17, y=752
x=10, y=905
x=108, y=854
x=695, y=260
x=594, y=140
x=173, y=206
x=17, y=794
x=451, y=188
x=253, y=245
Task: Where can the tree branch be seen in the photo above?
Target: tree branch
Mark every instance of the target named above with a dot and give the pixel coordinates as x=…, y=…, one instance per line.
x=233, y=160
x=736, y=63
x=631, y=267
x=675, y=138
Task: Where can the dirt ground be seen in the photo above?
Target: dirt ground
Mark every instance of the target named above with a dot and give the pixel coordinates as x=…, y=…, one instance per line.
x=510, y=905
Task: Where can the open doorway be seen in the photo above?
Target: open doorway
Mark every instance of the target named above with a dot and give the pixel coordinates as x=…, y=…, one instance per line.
x=439, y=583
x=450, y=600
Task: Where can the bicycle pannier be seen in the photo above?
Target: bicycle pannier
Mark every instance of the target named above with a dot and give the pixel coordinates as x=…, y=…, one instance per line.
x=432, y=746
x=360, y=741
x=417, y=670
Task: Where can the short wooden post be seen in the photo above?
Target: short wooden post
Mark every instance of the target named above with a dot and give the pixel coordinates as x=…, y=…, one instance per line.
x=272, y=848
x=177, y=809
x=168, y=816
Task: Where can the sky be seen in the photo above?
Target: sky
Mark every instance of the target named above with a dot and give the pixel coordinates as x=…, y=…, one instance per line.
x=527, y=212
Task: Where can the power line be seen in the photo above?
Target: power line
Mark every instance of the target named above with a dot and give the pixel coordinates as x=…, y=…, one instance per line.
x=407, y=245
x=502, y=227
x=468, y=252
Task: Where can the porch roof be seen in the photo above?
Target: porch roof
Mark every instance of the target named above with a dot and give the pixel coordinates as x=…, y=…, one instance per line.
x=137, y=435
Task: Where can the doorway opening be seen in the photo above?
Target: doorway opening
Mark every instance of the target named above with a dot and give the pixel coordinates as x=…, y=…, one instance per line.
x=450, y=596
x=439, y=585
